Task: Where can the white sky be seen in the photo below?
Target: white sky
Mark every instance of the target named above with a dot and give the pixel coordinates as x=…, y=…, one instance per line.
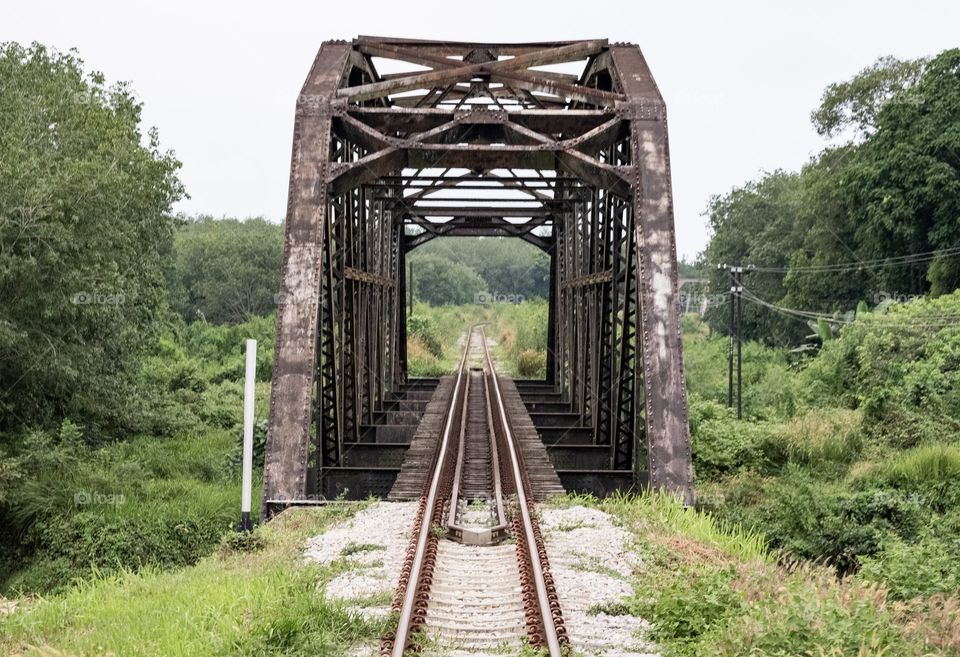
x=219, y=80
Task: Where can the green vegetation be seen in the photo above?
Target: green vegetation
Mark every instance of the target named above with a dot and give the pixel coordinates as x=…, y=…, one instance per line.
x=119, y=423
x=71, y=505
x=121, y=337
x=517, y=331
x=85, y=225
x=854, y=463
x=236, y=602
x=224, y=270
x=712, y=589
x=890, y=190
x=507, y=268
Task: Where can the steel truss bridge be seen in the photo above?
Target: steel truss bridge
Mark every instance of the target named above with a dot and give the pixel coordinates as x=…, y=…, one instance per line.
x=398, y=142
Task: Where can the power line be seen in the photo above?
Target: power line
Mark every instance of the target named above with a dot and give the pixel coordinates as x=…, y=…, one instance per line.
x=893, y=261
x=946, y=319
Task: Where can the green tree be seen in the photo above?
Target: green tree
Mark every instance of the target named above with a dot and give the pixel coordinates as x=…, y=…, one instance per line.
x=85, y=225
x=754, y=225
x=508, y=265
x=904, y=191
x=225, y=270
x=439, y=281
x=855, y=104
x=826, y=235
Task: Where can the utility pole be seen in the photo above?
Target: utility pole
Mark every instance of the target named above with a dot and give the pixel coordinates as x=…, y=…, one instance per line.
x=739, y=345
x=736, y=337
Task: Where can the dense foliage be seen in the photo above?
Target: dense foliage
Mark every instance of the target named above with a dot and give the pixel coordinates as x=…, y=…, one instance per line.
x=858, y=222
x=160, y=499
x=855, y=459
x=85, y=225
x=508, y=270
x=225, y=270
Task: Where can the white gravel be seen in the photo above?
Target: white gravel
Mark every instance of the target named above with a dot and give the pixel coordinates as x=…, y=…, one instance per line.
x=592, y=559
x=373, y=543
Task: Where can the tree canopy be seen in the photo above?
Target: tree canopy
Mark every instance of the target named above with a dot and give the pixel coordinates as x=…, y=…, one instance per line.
x=874, y=217
x=85, y=224
x=507, y=266
x=225, y=270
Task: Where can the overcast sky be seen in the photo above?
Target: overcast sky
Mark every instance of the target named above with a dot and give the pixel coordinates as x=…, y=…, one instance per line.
x=219, y=80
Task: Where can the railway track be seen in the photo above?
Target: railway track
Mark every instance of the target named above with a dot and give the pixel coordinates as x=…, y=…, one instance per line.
x=476, y=575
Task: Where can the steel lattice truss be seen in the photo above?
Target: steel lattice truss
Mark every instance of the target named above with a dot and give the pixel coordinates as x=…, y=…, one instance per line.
x=479, y=139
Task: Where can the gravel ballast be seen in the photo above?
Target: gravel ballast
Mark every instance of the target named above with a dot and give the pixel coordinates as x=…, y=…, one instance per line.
x=373, y=542
x=592, y=560
x=591, y=557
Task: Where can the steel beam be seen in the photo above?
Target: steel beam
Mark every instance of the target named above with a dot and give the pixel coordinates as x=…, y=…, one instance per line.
x=577, y=165
x=291, y=398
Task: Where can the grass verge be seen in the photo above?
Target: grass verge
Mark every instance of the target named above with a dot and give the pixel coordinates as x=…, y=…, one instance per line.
x=249, y=598
x=712, y=589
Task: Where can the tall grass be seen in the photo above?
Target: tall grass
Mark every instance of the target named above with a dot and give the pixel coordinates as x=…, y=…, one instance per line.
x=659, y=513
x=232, y=603
x=517, y=331
x=923, y=466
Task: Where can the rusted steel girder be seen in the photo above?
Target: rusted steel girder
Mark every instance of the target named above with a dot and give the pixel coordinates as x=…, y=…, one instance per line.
x=380, y=164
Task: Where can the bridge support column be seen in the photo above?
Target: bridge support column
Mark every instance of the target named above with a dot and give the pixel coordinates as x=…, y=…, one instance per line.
x=291, y=399
x=668, y=434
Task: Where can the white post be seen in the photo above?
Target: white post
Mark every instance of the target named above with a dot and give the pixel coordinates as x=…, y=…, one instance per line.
x=249, y=392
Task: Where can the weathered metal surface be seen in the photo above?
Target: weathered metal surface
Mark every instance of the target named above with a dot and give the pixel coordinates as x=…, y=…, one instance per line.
x=668, y=433
x=291, y=400
x=481, y=143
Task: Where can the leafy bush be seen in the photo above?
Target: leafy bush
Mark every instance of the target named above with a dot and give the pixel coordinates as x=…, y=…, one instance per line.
x=901, y=366
x=699, y=600
x=815, y=520
x=162, y=502
x=721, y=443
x=441, y=282
x=531, y=364
x=910, y=569
x=89, y=541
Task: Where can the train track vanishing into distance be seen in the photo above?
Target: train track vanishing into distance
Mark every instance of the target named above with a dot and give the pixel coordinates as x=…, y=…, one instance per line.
x=476, y=574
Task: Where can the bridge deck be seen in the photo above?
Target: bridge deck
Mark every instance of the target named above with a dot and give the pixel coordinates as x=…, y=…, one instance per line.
x=419, y=456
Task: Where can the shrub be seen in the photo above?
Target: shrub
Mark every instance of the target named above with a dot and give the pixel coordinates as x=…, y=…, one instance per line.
x=699, y=600
x=815, y=520
x=532, y=364
x=817, y=437
x=910, y=569
x=721, y=443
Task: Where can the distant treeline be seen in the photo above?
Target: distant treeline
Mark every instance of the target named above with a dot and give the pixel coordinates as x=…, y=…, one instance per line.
x=228, y=270
x=455, y=270
x=225, y=270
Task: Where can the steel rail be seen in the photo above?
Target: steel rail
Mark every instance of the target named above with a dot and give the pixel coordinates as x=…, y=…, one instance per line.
x=500, y=531
x=543, y=602
x=410, y=595
x=457, y=418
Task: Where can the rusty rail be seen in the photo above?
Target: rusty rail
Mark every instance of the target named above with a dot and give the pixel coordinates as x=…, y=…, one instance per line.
x=541, y=603
x=544, y=620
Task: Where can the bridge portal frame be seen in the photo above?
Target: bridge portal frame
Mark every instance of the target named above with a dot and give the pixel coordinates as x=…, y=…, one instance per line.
x=372, y=151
